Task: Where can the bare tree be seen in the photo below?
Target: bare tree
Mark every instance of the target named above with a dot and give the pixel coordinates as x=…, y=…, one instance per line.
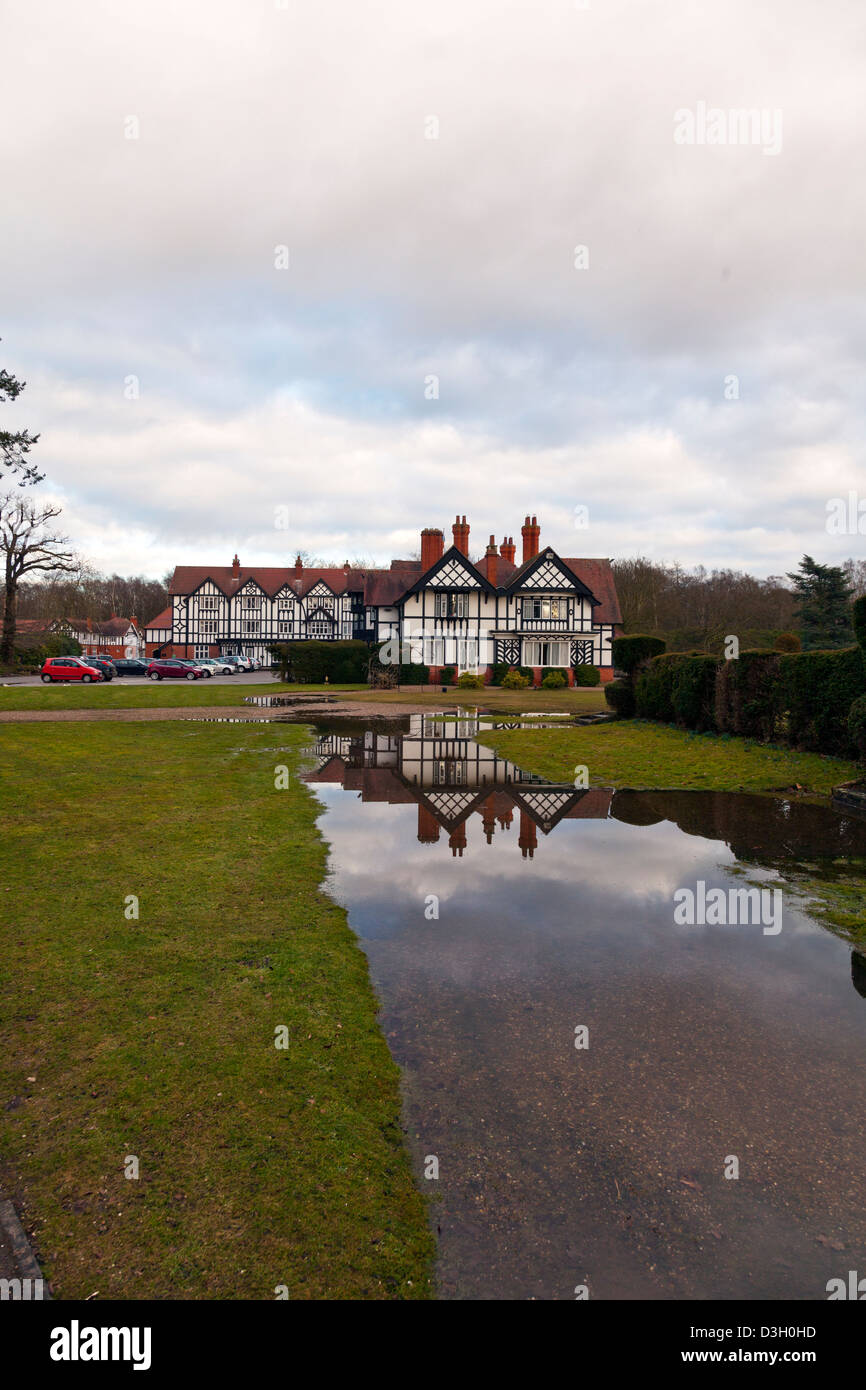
x=15, y=445
x=28, y=543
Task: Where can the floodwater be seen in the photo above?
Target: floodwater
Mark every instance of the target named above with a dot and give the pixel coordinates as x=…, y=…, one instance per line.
x=502, y=916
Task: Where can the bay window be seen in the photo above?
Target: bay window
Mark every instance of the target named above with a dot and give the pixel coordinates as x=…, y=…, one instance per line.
x=546, y=654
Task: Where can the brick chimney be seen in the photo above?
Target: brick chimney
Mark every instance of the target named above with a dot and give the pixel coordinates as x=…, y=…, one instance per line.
x=531, y=533
x=461, y=535
x=236, y=568
x=432, y=546
x=299, y=568
x=491, y=561
x=507, y=549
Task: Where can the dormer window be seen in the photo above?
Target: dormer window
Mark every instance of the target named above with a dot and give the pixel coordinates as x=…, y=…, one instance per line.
x=542, y=608
x=452, y=605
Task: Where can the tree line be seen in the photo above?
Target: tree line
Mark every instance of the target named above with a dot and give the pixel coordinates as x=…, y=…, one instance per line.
x=699, y=607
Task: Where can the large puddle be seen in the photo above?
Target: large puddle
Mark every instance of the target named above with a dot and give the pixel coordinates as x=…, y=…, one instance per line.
x=500, y=914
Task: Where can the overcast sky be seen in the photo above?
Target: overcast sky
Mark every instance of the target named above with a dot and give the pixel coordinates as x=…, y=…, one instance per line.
x=695, y=381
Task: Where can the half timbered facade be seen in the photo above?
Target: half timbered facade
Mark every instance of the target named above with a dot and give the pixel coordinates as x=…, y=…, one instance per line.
x=444, y=610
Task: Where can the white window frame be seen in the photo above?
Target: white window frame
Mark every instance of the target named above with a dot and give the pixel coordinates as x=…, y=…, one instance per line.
x=201, y=649
x=467, y=654
x=534, y=653
x=434, y=651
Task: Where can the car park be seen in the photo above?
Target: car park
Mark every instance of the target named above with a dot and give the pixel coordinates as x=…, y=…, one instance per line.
x=171, y=668
x=69, y=668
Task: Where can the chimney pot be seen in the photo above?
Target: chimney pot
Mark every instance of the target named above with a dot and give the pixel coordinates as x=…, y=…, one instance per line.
x=432, y=546
x=461, y=536
x=531, y=532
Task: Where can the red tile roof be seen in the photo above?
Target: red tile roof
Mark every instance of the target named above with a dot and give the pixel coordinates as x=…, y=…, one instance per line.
x=380, y=587
x=162, y=620
x=597, y=575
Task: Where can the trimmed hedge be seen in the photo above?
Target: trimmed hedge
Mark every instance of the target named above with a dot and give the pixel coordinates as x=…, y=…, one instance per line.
x=586, y=675
x=414, y=674
x=620, y=697
x=802, y=698
x=313, y=663
x=818, y=689
x=748, y=697
x=857, y=725
x=629, y=652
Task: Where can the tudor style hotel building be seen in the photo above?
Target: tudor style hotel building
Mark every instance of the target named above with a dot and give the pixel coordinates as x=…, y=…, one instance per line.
x=445, y=609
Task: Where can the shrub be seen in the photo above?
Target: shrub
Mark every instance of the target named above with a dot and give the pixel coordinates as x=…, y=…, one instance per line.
x=858, y=620
x=620, y=697
x=498, y=671
x=414, y=674
x=468, y=681
x=857, y=725
x=788, y=642
x=630, y=652
x=586, y=675
x=554, y=680
x=448, y=675
x=515, y=680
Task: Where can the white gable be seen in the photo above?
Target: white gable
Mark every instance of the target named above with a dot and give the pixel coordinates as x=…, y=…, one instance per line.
x=548, y=576
x=454, y=575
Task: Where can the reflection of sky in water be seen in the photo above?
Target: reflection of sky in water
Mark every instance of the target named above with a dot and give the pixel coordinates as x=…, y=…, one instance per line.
x=705, y=1041
x=597, y=887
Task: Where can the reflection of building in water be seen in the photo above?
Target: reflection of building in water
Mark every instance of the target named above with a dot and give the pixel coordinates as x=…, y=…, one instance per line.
x=451, y=779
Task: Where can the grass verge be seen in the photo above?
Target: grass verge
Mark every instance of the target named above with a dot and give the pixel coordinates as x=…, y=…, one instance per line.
x=155, y=1037
x=145, y=694
x=639, y=754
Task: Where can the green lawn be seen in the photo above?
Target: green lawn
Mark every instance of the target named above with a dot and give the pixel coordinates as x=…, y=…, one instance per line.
x=155, y=1038
x=635, y=753
x=145, y=694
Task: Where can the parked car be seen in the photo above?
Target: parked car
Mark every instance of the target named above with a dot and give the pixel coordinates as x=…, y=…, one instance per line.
x=130, y=666
x=103, y=664
x=69, y=668
x=196, y=665
x=169, y=667
x=239, y=663
x=218, y=665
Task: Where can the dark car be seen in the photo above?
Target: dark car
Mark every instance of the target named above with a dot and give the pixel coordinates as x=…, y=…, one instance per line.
x=131, y=666
x=166, y=667
x=103, y=664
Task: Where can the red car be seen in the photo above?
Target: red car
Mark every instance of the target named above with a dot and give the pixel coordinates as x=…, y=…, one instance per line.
x=69, y=668
x=170, y=666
